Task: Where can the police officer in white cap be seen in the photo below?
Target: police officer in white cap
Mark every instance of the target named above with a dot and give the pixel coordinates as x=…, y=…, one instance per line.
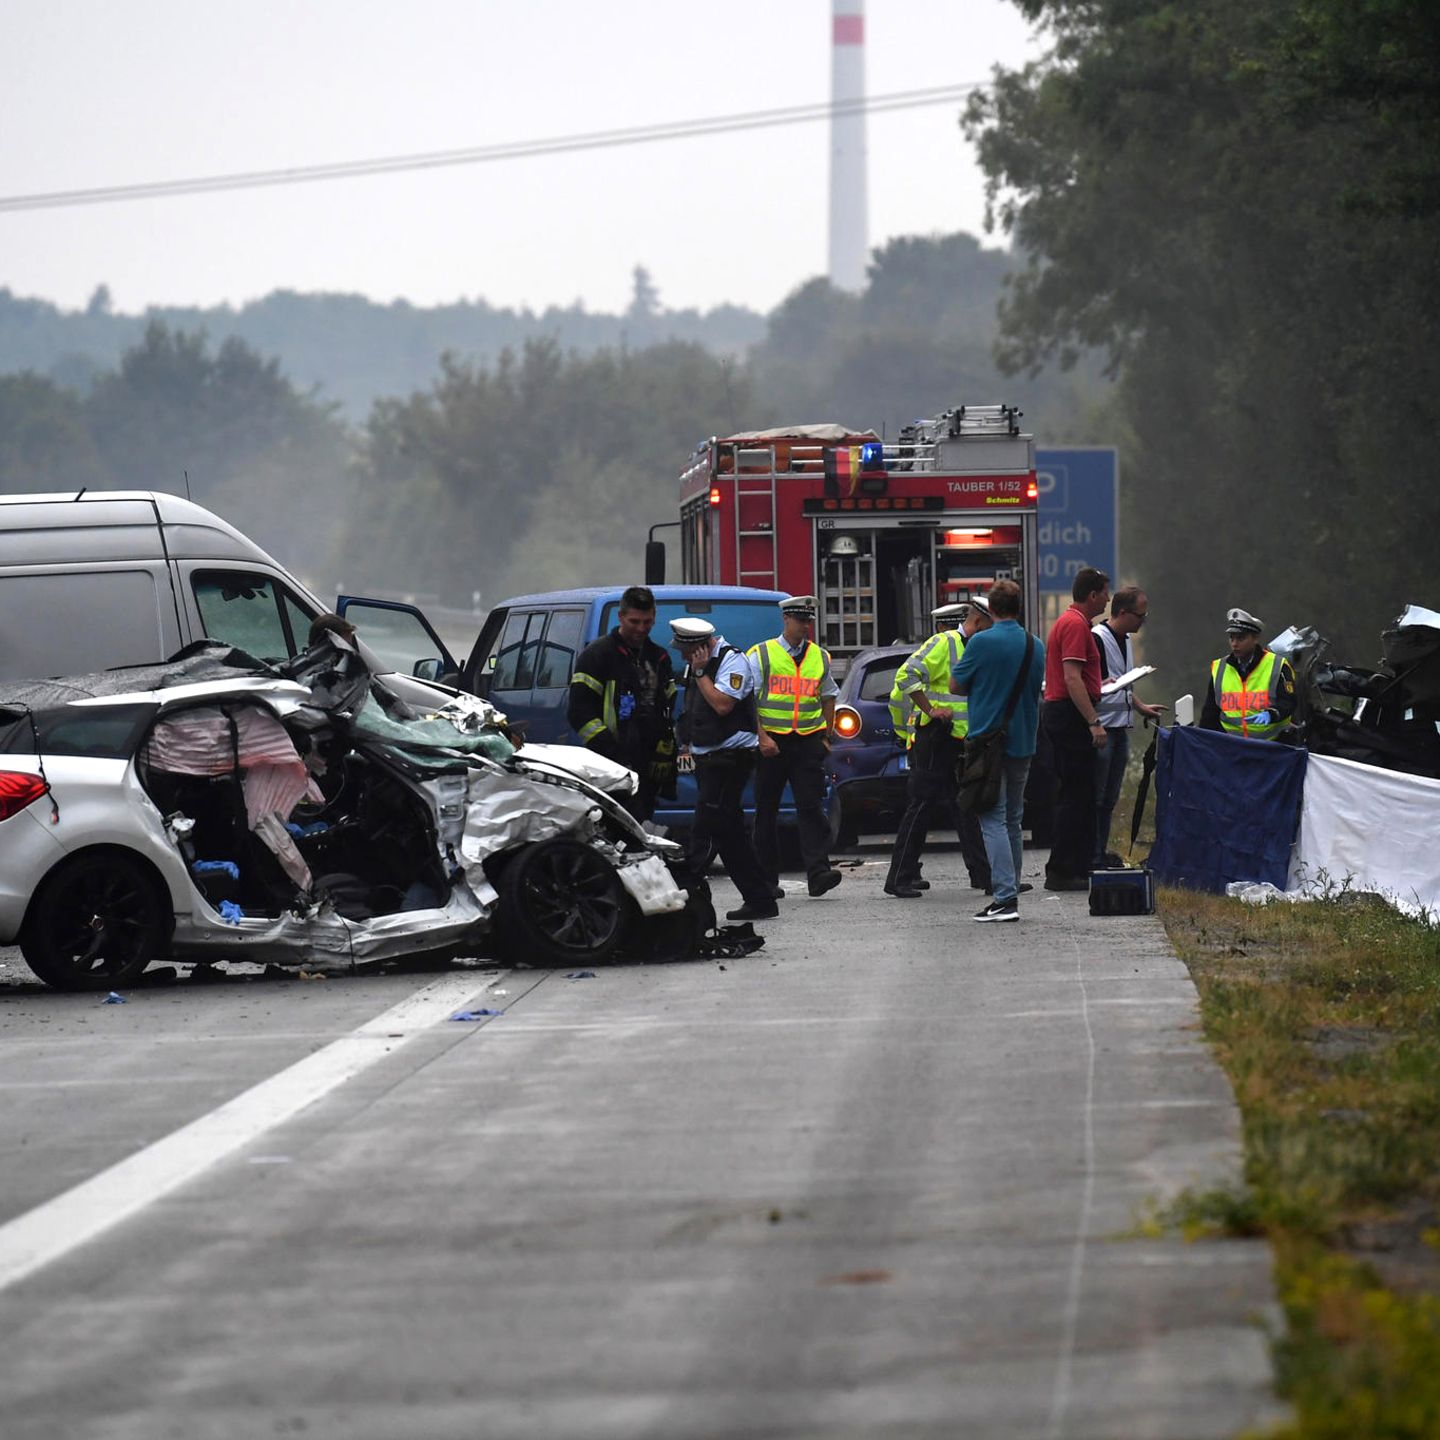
x=1251, y=691
x=717, y=730
x=795, y=696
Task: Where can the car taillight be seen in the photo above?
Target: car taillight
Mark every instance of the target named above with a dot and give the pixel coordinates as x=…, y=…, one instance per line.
x=847, y=724
x=18, y=788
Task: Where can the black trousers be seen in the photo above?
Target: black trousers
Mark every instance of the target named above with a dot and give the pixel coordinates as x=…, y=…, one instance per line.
x=1073, y=845
x=720, y=780
x=800, y=764
x=930, y=794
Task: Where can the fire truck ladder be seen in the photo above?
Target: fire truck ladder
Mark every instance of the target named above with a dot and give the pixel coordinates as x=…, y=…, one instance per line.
x=759, y=555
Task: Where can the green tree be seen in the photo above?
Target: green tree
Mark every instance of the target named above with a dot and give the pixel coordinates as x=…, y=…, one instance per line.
x=45, y=444
x=544, y=470
x=1230, y=199
x=228, y=427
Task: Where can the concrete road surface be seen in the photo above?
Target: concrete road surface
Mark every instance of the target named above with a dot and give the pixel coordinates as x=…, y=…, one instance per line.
x=879, y=1179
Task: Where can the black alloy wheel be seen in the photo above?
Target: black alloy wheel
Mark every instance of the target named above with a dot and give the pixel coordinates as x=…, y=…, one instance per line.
x=95, y=923
x=561, y=901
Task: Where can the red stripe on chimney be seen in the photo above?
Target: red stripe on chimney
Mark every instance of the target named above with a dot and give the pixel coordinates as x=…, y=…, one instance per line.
x=849, y=30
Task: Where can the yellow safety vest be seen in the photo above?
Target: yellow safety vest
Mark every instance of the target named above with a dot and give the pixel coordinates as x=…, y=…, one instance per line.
x=1242, y=696
x=788, y=696
x=927, y=670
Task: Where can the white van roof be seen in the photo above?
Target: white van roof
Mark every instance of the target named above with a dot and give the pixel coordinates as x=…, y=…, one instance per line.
x=34, y=528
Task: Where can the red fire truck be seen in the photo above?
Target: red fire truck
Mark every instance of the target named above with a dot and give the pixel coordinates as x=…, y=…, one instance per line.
x=880, y=533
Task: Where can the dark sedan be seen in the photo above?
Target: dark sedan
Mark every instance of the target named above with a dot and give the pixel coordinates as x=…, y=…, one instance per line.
x=866, y=764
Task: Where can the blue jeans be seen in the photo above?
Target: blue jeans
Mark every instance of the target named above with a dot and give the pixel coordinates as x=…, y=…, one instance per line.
x=1109, y=776
x=1000, y=825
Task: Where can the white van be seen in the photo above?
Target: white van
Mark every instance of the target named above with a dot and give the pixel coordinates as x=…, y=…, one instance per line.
x=97, y=579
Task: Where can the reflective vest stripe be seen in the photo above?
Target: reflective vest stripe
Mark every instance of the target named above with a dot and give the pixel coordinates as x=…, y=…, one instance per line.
x=927, y=672
x=789, y=694
x=1241, y=696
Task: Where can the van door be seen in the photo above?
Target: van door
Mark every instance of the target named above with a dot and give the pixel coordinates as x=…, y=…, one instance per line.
x=255, y=612
x=82, y=618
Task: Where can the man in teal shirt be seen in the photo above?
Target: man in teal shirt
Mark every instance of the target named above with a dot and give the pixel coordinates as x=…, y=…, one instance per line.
x=986, y=674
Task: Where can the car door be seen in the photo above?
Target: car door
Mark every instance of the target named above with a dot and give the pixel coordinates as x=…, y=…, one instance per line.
x=562, y=641
x=401, y=636
x=512, y=676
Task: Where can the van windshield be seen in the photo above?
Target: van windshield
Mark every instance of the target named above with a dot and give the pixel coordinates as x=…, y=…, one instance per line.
x=743, y=623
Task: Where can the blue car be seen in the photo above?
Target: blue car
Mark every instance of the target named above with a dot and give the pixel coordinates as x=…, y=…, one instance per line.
x=866, y=765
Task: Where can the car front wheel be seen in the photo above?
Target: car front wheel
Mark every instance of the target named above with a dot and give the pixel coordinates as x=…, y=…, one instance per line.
x=95, y=923
x=560, y=902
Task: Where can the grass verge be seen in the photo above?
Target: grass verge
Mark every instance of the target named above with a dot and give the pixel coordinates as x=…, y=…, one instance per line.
x=1326, y=1016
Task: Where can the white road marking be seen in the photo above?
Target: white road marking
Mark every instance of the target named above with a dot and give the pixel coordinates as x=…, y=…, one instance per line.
x=42, y=1235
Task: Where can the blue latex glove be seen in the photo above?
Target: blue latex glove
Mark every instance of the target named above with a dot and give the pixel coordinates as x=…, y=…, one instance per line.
x=1261, y=717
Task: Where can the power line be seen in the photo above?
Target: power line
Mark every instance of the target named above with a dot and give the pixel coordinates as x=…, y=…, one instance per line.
x=485, y=154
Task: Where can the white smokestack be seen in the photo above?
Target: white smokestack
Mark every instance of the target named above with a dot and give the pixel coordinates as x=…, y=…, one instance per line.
x=849, y=242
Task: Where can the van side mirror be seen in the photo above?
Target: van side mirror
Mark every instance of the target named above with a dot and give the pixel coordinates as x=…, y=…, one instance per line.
x=428, y=669
x=654, y=562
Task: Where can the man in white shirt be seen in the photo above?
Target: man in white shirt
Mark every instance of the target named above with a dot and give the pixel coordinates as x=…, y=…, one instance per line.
x=1116, y=711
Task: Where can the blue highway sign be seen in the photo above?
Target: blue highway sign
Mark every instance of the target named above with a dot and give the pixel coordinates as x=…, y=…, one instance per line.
x=1079, y=514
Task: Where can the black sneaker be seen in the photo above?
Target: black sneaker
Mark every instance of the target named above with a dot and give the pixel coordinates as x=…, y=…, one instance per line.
x=825, y=880
x=777, y=892
x=905, y=892
x=999, y=910
x=763, y=910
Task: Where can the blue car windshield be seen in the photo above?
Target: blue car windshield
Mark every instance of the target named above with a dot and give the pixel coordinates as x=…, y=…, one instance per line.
x=742, y=622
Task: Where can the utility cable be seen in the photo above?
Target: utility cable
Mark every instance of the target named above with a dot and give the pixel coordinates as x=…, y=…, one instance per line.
x=485, y=154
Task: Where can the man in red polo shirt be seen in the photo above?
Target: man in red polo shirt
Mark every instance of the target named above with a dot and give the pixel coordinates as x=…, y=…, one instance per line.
x=1071, y=720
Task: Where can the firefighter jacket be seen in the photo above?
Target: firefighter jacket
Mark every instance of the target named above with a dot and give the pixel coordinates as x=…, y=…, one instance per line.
x=1258, y=704
x=622, y=705
x=788, y=691
x=927, y=672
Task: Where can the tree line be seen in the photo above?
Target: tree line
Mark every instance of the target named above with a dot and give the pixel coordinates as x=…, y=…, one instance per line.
x=542, y=467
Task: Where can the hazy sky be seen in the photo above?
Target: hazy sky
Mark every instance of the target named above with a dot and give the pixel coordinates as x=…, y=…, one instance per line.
x=114, y=92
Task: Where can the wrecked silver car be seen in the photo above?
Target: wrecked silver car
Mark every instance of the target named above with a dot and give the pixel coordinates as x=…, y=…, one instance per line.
x=217, y=808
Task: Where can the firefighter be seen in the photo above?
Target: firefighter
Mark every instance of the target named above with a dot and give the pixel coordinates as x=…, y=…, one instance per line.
x=622, y=701
x=718, y=730
x=1252, y=689
x=796, y=703
x=939, y=721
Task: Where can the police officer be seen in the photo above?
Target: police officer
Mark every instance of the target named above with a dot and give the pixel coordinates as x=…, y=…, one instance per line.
x=1252, y=689
x=718, y=730
x=939, y=722
x=795, y=694
x=622, y=701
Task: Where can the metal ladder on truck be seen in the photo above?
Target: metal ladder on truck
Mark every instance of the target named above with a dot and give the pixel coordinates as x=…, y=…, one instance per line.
x=755, y=561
